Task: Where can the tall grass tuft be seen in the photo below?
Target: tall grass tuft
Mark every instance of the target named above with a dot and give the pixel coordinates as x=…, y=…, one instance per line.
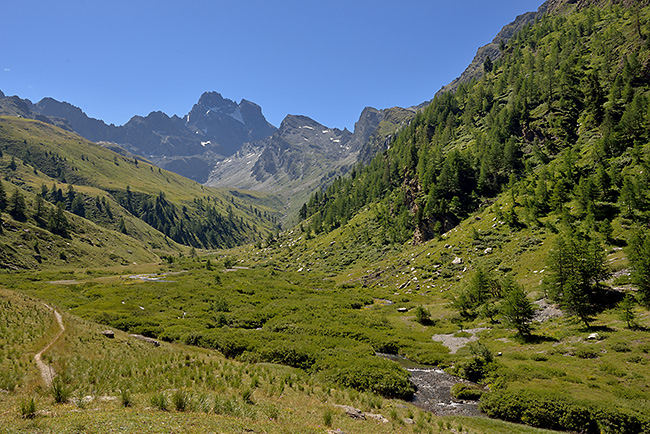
x=247, y=396
x=60, y=393
x=125, y=398
x=181, y=400
x=327, y=418
x=27, y=408
x=159, y=401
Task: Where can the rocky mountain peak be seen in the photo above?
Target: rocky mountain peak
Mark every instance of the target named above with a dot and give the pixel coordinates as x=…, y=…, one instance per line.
x=214, y=102
x=297, y=121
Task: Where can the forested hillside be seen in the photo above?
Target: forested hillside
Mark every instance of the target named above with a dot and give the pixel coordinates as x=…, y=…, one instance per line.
x=562, y=116
x=521, y=195
x=53, y=180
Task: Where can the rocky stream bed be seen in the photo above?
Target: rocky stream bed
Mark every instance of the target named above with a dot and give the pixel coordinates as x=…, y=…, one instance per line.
x=434, y=389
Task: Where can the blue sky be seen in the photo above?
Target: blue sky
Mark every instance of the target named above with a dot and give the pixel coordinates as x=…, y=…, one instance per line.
x=323, y=59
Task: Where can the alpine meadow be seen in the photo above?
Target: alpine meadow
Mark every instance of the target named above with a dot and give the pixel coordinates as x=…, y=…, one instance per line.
x=479, y=263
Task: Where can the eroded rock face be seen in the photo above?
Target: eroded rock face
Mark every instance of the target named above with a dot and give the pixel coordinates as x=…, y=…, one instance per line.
x=558, y=6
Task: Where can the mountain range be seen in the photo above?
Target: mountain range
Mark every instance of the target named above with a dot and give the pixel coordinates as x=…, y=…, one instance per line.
x=227, y=144
x=215, y=127
x=303, y=156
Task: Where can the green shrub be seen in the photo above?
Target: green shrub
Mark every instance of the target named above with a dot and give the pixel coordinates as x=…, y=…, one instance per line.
x=561, y=412
x=466, y=392
x=474, y=369
x=366, y=373
x=422, y=316
x=539, y=357
x=586, y=353
x=621, y=347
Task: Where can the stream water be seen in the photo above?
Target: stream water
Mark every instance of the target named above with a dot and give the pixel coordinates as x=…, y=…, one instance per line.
x=434, y=389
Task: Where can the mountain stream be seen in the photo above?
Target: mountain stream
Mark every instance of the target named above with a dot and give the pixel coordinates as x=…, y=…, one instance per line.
x=434, y=389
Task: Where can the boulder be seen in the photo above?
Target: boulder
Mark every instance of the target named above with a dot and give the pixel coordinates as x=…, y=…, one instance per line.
x=377, y=417
x=151, y=341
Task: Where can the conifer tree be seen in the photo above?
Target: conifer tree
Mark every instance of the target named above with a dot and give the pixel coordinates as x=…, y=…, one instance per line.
x=576, y=266
x=57, y=222
x=17, y=205
x=639, y=256
x=517, y=310
x=3, y=198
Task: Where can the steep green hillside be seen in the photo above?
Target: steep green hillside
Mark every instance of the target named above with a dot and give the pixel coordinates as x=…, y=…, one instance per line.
x=527, y=186
x=571, y=86
x=48, y=166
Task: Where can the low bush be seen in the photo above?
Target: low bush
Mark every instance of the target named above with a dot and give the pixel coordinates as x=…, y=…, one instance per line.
x=366, y=373
x=560, y=412
x=586, y=353
x=621, y=347
x=539, y=357
x=466, y=392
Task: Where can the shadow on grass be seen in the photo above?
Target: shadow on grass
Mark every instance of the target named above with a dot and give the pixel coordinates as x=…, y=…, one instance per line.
x=534, y=339
x=597, y=328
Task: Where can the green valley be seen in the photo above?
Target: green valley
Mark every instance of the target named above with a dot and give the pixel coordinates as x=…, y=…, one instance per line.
x=502, y=238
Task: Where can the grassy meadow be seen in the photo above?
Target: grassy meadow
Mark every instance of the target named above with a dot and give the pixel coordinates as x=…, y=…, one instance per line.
x=122, y=384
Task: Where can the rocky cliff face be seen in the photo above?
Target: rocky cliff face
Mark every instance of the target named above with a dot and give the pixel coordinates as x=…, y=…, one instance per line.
x=300, y=157
x=298, y=151
x=376, y=128
x=560, y=6
x=303, y=155
x=90, y=128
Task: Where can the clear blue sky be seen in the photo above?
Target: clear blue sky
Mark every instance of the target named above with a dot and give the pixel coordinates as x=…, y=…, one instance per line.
x=323, y=59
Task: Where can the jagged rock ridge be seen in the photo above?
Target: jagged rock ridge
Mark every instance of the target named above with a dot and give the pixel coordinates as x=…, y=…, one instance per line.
x=214, y=128
x=303, y=155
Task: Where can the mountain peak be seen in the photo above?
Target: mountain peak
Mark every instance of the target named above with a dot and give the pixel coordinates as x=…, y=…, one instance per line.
x=211, y=100
x=297, y=121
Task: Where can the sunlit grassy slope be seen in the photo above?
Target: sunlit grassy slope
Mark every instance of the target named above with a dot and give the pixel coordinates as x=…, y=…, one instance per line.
x=122, y=204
